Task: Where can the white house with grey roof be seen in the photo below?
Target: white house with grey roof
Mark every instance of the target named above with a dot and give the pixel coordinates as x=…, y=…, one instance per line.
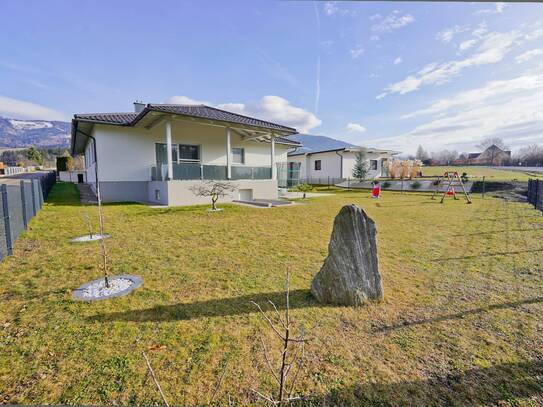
x=335, y=165
x=158, y=152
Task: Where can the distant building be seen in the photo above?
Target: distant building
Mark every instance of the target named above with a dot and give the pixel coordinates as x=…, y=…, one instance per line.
x=493, y=155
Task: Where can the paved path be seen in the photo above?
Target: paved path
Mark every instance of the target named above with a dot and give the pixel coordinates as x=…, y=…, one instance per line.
x=86, y=194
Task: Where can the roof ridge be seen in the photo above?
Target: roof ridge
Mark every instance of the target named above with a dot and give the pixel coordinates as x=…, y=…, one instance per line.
x=249, y=117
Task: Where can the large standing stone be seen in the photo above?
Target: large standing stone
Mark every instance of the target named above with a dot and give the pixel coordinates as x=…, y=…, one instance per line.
x=350, y=274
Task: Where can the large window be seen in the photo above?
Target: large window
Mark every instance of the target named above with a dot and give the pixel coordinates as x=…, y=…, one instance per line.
x=318, y=165
x=238, y=155
x=161, y=150
x=188, y=152
x=373, y=165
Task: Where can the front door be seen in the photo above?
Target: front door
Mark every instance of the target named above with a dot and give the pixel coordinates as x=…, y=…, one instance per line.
x=80, y=178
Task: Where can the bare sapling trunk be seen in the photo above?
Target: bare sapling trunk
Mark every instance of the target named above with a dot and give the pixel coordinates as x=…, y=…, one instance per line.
x=102, y=240
x=289, y=357
x=89, y=224
x=214, y=199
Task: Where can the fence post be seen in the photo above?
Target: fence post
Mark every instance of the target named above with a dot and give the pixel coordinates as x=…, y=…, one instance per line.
x=23, y=204
x=484, y=187
x=33, y=197
x=5, y=210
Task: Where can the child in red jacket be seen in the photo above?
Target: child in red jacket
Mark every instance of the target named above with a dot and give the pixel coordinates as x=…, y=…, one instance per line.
x=376, y=190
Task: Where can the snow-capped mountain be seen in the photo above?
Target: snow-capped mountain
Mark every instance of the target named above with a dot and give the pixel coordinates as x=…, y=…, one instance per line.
x=39, y=133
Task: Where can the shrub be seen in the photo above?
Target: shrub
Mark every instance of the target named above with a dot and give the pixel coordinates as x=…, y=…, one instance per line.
x=305, y=187
x=385, y=185
x=464, y=177
x=416, y=185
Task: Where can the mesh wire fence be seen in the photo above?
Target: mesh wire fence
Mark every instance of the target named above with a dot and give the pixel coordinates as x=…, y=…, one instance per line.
x=535, y=193
x=21, y=197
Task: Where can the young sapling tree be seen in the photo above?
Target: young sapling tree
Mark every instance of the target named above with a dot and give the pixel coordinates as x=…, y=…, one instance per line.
x=213, y=189
x=292, y=353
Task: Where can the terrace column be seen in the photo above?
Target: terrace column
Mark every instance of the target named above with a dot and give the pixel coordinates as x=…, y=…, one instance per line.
x=228, y=154
x=272, y=158
x=169, y=149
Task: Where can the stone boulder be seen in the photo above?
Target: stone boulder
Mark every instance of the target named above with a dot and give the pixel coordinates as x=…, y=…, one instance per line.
x=350, y=273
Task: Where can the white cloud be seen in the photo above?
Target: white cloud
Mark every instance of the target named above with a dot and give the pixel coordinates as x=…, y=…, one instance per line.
x=398, y=61
x=526, y=56
x=332, y=8
x=498, y=9
x=271, y=108
x=20, y=109
x=465, y=45
x=492, y=48
x=374, y=38
x=355, y=128
x=185, y=100
x=509, y=109
x=356, y=52
x=392, y=22
x=449, y=33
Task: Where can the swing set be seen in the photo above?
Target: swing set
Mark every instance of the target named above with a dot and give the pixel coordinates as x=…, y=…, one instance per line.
x=450, y=180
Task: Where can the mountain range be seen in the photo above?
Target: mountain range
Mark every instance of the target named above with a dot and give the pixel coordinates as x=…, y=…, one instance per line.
x=17, y=133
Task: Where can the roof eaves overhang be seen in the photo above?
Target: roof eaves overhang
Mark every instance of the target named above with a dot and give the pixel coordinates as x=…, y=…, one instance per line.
x=279, y=131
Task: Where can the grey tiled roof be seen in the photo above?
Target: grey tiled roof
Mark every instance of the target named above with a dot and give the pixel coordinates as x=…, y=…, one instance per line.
x=200, y=111
x=113, y=118
x=213, y=113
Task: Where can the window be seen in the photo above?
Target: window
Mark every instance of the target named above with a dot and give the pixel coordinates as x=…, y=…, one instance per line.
x=373, y=165
x=189, y=152
x=238, y=155
x=161, y=150
x=317, y=165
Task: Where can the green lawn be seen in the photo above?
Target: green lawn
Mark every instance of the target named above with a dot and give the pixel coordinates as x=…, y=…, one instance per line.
x=491, y=174
x=461, y=323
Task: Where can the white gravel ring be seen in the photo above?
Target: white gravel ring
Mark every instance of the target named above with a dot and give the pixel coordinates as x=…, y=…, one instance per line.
x=118, y=286
x=89, y=238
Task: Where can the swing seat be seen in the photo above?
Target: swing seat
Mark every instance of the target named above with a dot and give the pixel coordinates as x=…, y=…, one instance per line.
x=450, y=192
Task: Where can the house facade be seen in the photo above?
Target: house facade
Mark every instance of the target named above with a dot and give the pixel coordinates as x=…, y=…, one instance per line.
x=493, y=155
x=331, y=166
x=158, y=152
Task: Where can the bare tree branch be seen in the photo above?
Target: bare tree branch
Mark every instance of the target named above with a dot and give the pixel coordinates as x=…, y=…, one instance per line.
x=155, y=379
x=217, y=387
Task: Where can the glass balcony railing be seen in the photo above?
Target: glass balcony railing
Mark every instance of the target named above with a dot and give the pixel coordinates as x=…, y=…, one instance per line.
x=194, y=171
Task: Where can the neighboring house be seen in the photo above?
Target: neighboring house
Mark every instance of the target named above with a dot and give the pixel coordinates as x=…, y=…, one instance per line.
x=157, y=153
x=76, y=176
x=321, y=167
x=493, y=155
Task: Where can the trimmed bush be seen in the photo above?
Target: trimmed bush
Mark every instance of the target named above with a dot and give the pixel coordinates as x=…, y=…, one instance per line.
x=385, y=185
x=416, y=185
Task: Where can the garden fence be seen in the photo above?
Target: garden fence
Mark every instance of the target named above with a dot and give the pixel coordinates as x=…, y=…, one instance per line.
x=535, y=193
x=21, y=197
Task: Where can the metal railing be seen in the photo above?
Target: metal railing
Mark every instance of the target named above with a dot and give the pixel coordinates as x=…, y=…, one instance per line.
x=194, y=171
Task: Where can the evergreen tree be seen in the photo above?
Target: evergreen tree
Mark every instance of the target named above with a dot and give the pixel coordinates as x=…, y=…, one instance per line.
x=360, y=169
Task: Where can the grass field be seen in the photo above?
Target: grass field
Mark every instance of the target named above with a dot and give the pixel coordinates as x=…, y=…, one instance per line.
x=491, y=174
x=461, y=323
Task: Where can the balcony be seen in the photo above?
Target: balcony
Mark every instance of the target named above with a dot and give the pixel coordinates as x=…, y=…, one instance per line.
x=193, y=171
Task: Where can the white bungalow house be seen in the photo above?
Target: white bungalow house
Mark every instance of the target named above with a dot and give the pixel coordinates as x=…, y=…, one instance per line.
x=156, y=153
x=333, y=166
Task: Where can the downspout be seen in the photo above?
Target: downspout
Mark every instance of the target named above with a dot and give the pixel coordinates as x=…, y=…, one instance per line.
x=340, y=164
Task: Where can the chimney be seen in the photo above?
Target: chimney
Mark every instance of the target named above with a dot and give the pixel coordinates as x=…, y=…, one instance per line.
x=138, y=106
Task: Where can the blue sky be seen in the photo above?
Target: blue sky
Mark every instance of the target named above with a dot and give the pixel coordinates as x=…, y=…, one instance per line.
x=393, y=75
